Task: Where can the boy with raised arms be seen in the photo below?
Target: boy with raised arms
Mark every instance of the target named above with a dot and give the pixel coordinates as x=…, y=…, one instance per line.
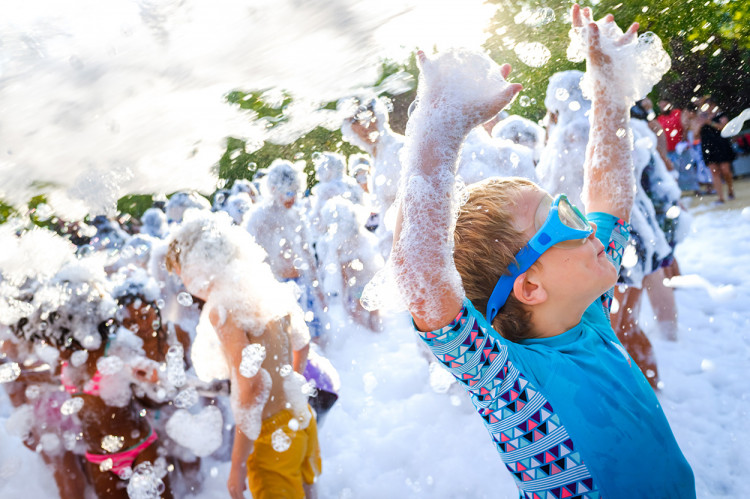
x=513, y=296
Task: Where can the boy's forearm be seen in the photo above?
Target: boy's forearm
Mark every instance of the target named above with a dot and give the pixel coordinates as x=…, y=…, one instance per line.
x=241, y=449
x=608, y=181
x=427, y=201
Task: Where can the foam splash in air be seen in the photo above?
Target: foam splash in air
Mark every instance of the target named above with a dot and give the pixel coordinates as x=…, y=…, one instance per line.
x=635, y=67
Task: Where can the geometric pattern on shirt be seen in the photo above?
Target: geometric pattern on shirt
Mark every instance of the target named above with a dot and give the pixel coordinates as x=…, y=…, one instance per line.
x=527, y=432
x=618, y=240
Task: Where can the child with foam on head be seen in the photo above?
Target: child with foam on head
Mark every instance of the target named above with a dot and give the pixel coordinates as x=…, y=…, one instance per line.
x=265, y=342
x=513, y=296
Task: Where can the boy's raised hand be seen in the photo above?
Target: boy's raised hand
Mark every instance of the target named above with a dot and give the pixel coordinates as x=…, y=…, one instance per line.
x=469, y=83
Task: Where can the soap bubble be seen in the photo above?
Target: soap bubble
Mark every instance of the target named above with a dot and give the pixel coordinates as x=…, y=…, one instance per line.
x=185, y=299
x=32, y=392
x=71, y=406
x=186, y=398
x=533, y=54
x=280, y=440
x=9, y=372
x=144, y=483
x=112, y=443
x=673, y=212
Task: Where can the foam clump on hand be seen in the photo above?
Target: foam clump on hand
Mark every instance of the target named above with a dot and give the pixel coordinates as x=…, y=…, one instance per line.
x=456, y=89
x=455, y=85
x=635, y=67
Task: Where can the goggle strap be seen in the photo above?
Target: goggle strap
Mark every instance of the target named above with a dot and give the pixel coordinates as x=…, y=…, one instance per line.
x=524, y=260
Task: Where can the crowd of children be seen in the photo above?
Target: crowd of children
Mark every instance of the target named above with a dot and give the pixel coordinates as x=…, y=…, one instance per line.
x=131, y=352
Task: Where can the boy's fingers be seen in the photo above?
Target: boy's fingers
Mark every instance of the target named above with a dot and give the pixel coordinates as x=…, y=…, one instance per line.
x=593, y=36
x=609, y=18
x=575, y=15
x=587, y=13
x=505, y=70
x=421, y=57
x=629, y=35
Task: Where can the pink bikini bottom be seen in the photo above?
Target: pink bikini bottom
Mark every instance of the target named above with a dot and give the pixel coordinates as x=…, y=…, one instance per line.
x=123, y=460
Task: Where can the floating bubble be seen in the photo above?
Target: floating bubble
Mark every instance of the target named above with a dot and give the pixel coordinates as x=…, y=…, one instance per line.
x=185, y=299
x=285, y=370
x=629, y=257
x=144, y=483
x=356, y=264
x=533, y=54
x=71, y=406
x=293, y=424
x=280, y=440
x=175, y=366
x=562, y=94
x=525, y=101
x=112, y=443
x=125, y=473
x=9, y=372
x=105, y=465
x=574, y=105
x=186, y=398
x=32, y=392
x=540, y=17
x=673, y=212
x=621, y=132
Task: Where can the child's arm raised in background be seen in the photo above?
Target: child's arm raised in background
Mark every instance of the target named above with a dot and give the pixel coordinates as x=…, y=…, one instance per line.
x=608, y=169
x=458, y=91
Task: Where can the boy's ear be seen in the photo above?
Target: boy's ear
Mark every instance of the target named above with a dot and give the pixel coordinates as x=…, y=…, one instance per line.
x=528, y=289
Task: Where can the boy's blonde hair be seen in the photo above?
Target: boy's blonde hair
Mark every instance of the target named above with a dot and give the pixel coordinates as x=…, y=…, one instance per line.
x=486, y=242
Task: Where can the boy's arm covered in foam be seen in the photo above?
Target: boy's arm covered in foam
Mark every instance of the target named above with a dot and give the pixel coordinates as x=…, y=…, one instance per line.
x=458, y=91
x=609, y=184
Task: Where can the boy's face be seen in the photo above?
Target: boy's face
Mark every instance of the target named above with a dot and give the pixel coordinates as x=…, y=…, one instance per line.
x=576, y=275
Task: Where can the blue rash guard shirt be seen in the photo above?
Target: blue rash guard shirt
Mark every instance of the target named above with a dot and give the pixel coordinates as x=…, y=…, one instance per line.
x=571, y=415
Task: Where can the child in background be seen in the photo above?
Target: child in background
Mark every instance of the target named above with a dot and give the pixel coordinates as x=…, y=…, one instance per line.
x=265, y=343
x=567, y=409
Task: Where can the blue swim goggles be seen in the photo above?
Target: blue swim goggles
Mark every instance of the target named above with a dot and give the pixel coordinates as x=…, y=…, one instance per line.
x=558, y=223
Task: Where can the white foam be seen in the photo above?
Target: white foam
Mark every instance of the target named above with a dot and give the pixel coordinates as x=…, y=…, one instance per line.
x=249, y=417
x=253, y=356
x=9, y=372
x=634, y=69
x=280, y=441
x=201, y=432
x=144, y=483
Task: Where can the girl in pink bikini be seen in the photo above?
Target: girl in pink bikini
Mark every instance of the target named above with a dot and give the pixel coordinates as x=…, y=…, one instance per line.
x=78, y=318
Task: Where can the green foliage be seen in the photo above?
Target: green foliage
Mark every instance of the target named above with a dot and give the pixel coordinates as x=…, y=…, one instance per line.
x=135, y=204
x=6, y=212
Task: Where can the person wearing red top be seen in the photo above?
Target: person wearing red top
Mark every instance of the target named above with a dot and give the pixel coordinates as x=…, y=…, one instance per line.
x=671, y=122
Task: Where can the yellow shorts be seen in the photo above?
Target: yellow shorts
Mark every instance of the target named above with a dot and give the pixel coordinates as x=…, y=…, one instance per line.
x=273, y=474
